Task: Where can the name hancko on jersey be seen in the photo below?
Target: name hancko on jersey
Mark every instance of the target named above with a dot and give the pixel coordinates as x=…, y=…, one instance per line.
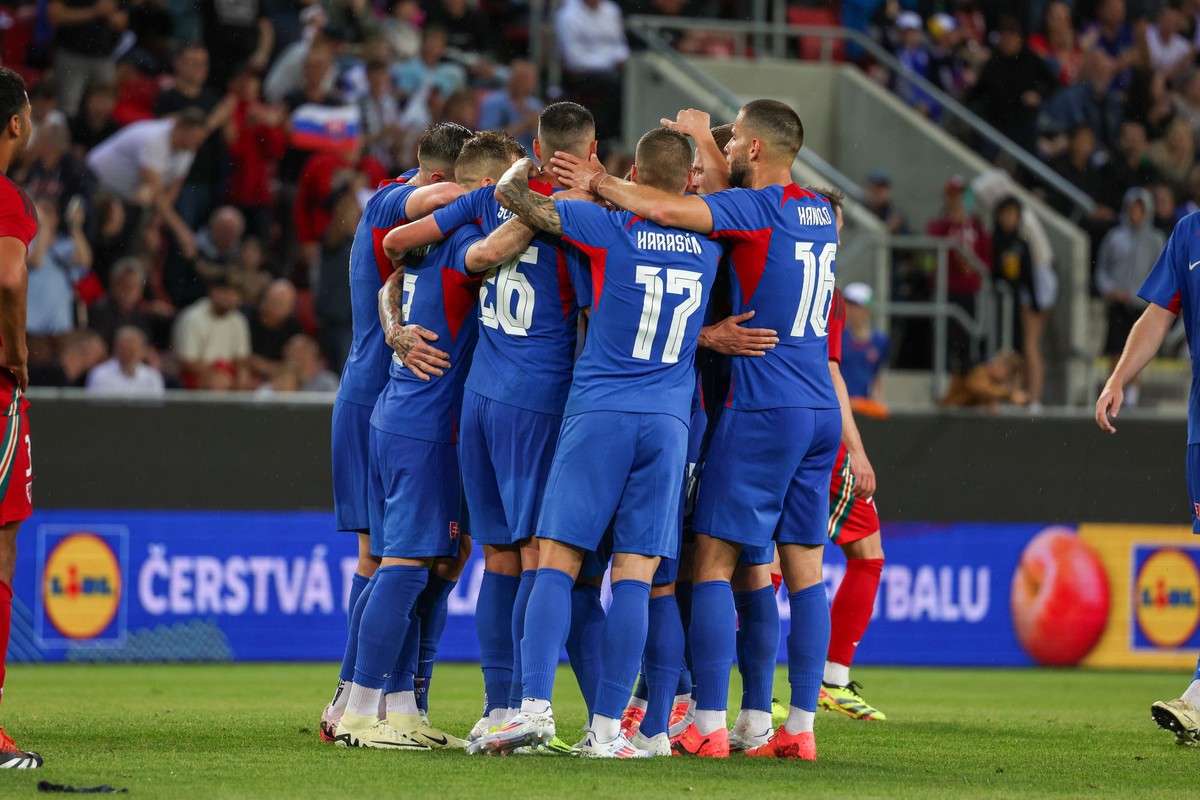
x=814, y=215
x=669, y=242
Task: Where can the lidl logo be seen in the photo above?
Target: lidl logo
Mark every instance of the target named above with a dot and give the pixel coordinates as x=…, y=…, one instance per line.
x=1166, y=598
x=81, y=581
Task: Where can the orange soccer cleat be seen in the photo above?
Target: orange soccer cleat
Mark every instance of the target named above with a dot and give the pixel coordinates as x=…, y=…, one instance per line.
x=787, y=745
x=705, y=745
x=631, y=721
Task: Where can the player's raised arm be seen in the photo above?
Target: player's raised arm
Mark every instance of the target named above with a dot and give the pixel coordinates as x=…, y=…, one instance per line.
x=1144, y=340
x=424, y=231
x=409, y=342
x=14, y=280
x=714, y=169
x=534, y=209
x=662, y=208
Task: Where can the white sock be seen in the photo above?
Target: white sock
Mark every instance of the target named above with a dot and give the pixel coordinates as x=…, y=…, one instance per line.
x=497, y=716
x=531, y=705
x=402, y=703
x=605, y=728
x=363, y=701
x=1193, y=693
x=753, y=721
x=836, y=674
x=337, y=705
x=709, y=721
x=681, y=698
x=637, y=702
x=799, y=720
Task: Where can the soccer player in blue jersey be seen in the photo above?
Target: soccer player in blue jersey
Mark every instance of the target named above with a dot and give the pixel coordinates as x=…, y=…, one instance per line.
x=413, y=195
x=1172, y=291
x=512, y=412
x=622, y=449
x=414, y=487
x=767, y=474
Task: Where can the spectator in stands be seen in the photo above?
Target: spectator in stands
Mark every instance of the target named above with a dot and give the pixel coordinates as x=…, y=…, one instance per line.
x=461, y=108
x=94, y=123
x=122, y=306
x=199, y=191
x=241, y=32
x=317, y=192
x=113, y=233
x=1164, y=208
x=864, y=347
x=80, y=352
x=1090, y=101
x=137, y=89
x=1149, y=101
x=1186, y=101
x=947, y=68
x=212, y=341
x=1057, y=43
x=248, y=271
x=355, y=17
x=1192, y=204
x=1130, y=166
x=1012, y=85
x=43, y=108
x=272, y=324
x=591, y=41
x=1080, y=164
x=430, y=70
x=57, y=261
x=219, y=244
x=1012, y=264
x=963, y=281
x=469, y=38
x=515, y=108
x=1173, y=155
x=381, y=115
x=303, y=358
x=402, y=28
x=127, y=374
x=1126, y=256
x=289, y=74
x=1111, y=34
x=256, y=141
x=86, y=34
x=988, y=385
x=914, y=56
x=333, y=290
x=145, y=165
x=1169, y=51
x=50, y=170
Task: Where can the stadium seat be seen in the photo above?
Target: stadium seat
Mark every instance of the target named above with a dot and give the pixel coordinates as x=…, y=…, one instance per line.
x=810, y=46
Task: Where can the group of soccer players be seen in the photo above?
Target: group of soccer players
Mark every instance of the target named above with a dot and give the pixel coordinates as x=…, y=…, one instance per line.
x=561, y=358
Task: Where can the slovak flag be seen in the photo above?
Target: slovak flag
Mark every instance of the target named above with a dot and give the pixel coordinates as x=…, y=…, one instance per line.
x=329, y=129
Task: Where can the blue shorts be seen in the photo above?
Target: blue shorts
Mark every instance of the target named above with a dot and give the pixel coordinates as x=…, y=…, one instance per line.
x=618, y=467
x=766, y=476
x=1193, y=480
x=416, y=497
x=351, y=431
x=505, y=454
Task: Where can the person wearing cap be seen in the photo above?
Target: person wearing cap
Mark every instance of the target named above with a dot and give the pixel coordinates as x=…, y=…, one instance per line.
x=963, y=281
x=947, y=67
x=1012, y=85
x=914, y=55
x=211, y=338
x=865, y=348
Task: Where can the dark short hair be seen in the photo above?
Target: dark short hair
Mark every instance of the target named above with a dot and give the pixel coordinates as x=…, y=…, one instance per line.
x=837, y=200
x=487, y=151
x=663, y=159
x=776, y=124
x=440, y=145
x=12, y=94
x=191, y=117
x=565, y=126
x=722, y=134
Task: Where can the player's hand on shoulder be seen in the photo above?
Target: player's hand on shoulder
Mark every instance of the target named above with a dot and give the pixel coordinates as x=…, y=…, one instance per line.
x=574, y=172
x=411, y=344
x=728, y=337
x=1107, y=407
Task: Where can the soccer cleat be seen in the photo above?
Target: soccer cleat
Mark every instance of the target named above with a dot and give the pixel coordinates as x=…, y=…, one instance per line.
x=355, y=730
x=742, y=739
x=1179, y=716
x=787, y=745
x=847, y=701
x=681, y=716
x=329, y=723
x=523, y=730
x=705, y=745
x=12, y=757
x=657, y=745
x=779, y=712
x=482, y=728
x=631, y=721
x=437, y=739
x=617, y=748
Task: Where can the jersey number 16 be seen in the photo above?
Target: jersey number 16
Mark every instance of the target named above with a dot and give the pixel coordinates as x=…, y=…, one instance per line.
x=818, y=288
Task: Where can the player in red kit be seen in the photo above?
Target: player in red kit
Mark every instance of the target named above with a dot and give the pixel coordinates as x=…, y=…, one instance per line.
x=18, y=224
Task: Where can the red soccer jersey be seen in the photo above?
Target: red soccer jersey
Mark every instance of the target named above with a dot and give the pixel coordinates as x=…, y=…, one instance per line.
x=837, y=324
x=18, y=217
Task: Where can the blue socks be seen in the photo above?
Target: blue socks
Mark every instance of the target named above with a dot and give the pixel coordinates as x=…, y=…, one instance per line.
x=757, y=646
x=712, y=643
x=402, y=679
x=358, y=598
x=807, y=645
x=431, y=608
x=385, y=622
x=494, y=624
x=622, y=641
x=547, y=621
x=583, y=642
x=357, y=585
x=664, y=654
x=520, y=604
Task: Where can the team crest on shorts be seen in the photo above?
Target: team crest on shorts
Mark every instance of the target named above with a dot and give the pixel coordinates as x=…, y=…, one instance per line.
x=455, y=530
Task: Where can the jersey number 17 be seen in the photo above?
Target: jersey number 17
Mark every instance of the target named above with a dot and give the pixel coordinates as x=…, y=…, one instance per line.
x=678, y=281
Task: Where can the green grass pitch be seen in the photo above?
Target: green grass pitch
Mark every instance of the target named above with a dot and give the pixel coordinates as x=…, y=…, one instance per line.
x=250, y=730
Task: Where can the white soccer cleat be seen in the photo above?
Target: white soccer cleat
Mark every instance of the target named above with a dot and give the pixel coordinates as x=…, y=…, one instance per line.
x=742, y=739
x=1179, y=716
x=355, y=730
x=616, y=748
x=657, y=745
x=418, y=727
x=523, y=730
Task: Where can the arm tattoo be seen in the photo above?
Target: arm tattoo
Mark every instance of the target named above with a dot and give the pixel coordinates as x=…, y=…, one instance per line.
x=534, y=209
x=391, y=315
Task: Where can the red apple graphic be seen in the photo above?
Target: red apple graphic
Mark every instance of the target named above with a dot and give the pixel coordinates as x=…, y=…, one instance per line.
x=1060, y=598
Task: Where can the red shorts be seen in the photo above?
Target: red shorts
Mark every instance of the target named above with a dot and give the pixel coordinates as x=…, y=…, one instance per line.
x=16, y=471
x=850, y=519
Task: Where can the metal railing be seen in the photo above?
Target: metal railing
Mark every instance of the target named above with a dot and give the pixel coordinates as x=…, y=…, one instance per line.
x=771, y=39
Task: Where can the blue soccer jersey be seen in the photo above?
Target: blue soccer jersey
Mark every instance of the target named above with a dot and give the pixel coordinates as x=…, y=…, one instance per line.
x=1172, y=284
x=439, y=295
x=366, y=369
x=783, y=246
x=528, y=313
x=650, y=287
